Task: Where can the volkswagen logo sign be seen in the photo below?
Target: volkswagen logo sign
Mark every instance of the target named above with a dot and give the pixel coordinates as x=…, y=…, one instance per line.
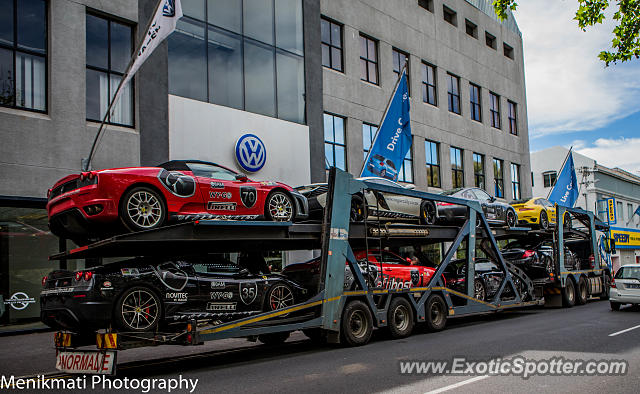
x=251, y=153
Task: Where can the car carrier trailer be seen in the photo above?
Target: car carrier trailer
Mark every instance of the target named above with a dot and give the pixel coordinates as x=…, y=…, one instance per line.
x=333, y=313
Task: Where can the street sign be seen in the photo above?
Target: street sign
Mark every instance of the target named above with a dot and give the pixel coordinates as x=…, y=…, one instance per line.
x=611, y=210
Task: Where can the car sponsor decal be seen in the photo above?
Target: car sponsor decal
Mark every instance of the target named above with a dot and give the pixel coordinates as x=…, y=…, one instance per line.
x=268, y=183
x=19, y=301
x=248, y=196
x=394, y=283
x=218, y=284
x=176, y=297
x=177, y=183
x=415, y=277
x=248, y=292
x=221, y=295
x=216, y=185
x=59, y=290
x=221, y=306
x=221, y=206
x=172, y=276
x=208, y=216
x=219, y=195
x=129, y=271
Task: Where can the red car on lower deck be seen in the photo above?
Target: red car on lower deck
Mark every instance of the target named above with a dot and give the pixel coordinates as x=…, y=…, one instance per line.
x=89, y=205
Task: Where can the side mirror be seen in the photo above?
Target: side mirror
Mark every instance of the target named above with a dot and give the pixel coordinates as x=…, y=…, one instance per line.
x=492, y=198
x=241, y=178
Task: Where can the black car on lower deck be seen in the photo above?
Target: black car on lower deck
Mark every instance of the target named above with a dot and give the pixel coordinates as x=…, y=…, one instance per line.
x=535, y=256
x=145, y=294
x=488, y=278
x=496, y=212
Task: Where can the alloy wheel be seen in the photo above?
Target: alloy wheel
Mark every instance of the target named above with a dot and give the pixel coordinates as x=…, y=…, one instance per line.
x=281, y=297
x=140, y=310
x=280, y=207
x=144, y=209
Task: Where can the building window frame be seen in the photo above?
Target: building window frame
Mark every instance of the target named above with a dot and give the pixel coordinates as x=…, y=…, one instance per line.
x=15, y=48
x=549, y=178
x=432, y=148
x=453, y=93
x=498, y=177
x=426, y=4
x=513, y=117
x=490, y=40
x=494, y=108
x=478, y=171
x=332, y=48
x=450, y=16
x=471, y=28
x=429, y=84
x=515, y=181
x=457, y=166
x=397, y=54
x=368, y=61
x=333, y=143
x=507, y=50
x=475, y=100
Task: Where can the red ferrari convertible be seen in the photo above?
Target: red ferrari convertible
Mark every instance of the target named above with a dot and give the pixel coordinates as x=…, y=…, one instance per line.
x=87, y=205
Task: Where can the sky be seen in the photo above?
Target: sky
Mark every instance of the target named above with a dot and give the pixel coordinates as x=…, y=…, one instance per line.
x=572, y=98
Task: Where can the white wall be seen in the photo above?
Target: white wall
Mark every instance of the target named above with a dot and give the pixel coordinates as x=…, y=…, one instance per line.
x=204, y=131
x=551, y=159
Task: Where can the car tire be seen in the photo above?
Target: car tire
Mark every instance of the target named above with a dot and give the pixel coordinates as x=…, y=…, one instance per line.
x=359, y=210
x=279, y=296
x=142, y=208
x=436, y=313
x=607, y=287
x=428, y=213
x=274, y=338
x=479, y=290
x=357, y=324
x=511, y=218
x=615, y=306
x=582, y=293
x=138, y=309
x=544, y=220
x=278, y=207
x=400, y=318
x=569, y=294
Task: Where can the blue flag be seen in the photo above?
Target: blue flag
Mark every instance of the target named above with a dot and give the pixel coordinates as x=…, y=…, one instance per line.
x=565, y=191
x=393, y=140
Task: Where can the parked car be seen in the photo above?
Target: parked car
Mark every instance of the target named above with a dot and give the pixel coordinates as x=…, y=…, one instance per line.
x=144, y=294
x=379, y=204
x=142, y=198
x=496, y=212
x=538, y=211
x=625, y=287
x=382, y=167
x=535, y=256
x=385, y=269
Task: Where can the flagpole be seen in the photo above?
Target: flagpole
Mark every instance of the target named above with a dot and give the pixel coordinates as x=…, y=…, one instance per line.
x=86, y=163
x=384, y=114
x=560, y=172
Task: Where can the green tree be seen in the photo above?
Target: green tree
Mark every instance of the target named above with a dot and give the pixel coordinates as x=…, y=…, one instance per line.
x=625, y=43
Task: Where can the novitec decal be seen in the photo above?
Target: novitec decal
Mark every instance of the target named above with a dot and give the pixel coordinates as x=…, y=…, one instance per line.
x=221, y=206
x=176, y=297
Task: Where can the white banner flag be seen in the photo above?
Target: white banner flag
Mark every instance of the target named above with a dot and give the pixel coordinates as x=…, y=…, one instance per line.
x=163, y=23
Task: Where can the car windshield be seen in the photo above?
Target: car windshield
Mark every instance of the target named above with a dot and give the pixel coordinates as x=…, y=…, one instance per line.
x=450, y=192
x=486, y=267
x=519, y=244
x=628, y=273
x=211, y=171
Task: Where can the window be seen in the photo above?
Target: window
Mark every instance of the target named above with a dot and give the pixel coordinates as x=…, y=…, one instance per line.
x=368, y=59
x=23, y=54
x=426, y=4
x=453, y=93
x=406, y=170
x=476, y=102
x=331, y=44
x=629, y=212
x=549, y=178
x=495, y=110
x=513, y=123
x=620, y=212
x=508, y=50
x=433, y=163
x=231, y=53
x=399, y=60
x=472, y=28
x=429, y=84
x=334, y=142
x=449, y=15
x=515, y=181
x=211, y=171
x=109, y=48
x=457, y=169
x=498, y=176
x=478, y=170
x=490, y=39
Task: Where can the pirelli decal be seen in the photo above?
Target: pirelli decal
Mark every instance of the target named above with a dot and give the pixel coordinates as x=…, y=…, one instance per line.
x=221, y=206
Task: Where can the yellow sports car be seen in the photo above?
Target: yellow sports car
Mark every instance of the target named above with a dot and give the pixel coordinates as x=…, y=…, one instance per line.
x=538, y=211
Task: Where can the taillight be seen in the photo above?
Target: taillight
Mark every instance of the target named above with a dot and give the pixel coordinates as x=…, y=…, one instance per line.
x=381, y=163
x=44, y=281
x=78, y=275
x=48, y=193
x=525, y=209
x=527, y=253
x=592, y=261
x=613, y=283
x=444, y=203
x=88, y=275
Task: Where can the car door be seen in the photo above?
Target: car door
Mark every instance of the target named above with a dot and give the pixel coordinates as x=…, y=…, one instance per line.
x=395, y=202
x=220, y=189
x=486, y=203
x=400, y=273
x=179, y=285
x=219, y=286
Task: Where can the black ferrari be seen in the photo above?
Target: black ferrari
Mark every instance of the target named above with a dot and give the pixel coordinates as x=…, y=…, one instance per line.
x=496, y=212
x=144, y=294
x=535, y=256
x=488, y=278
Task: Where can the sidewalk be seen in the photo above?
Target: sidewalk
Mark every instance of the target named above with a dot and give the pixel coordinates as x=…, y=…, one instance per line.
x=26, y=328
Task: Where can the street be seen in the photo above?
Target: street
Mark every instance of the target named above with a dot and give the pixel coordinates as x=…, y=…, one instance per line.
x=236, y=365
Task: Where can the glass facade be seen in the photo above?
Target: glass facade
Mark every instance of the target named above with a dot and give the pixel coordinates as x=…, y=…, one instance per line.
x=241, y=54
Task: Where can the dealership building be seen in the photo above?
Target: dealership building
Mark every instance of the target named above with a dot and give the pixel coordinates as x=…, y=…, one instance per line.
x=311, y=79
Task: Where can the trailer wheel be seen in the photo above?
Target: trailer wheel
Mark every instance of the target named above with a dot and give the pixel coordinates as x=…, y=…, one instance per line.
x=569, y=294
x=400, y=318
x=275, y=338
x=615, y=306
x=138, y=309
x=436, y=311
x=607, y=286
x=582, y=293
x=357, y=324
